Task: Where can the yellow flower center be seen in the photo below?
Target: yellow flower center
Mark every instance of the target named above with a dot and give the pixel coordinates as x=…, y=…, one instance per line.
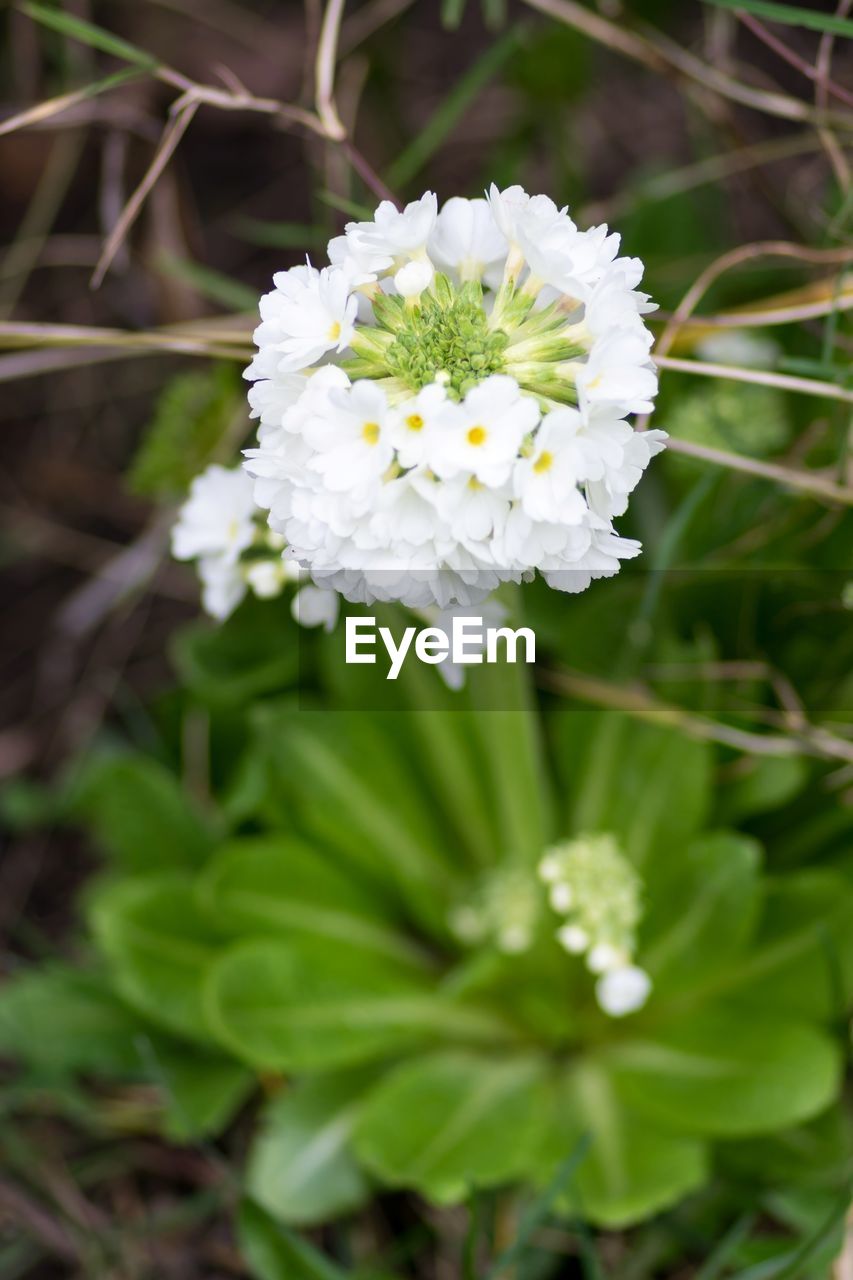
x=414, y=422
x=544, y=462
x=477, y=435
x=334, y=332
x=370, y=432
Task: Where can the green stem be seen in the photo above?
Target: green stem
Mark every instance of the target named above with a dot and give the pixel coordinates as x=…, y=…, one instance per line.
x=507, y=730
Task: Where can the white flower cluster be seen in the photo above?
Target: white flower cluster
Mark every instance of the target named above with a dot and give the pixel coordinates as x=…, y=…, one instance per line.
x=504, y=909
x=219, y=527
x=597, y=892
x=444, y=407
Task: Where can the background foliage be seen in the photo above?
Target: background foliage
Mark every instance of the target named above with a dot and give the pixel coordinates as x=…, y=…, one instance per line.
x=699, y=706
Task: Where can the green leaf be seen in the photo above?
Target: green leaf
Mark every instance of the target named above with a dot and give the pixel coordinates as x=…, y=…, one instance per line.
x=447, y=1123
x=702, y=915
x=802, y=959
x=506, y=726
x=159, y=946
x=60, y=1021
x=300, y=1167
x=279, y=886
x=201, y=1091
x=727, y=1072
x=66, y=24
x=191, y=419
x=631, y=1168
x=140, y=814
x=256, y=652
x=766, y=784
x=274, y=1253
x=790, y=15
x=343, y=781
x=814, y=1157
x=312, y=1006
x=649, y=786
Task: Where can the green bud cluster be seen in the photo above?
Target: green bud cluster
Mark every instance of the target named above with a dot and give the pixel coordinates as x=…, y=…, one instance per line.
x=445, y=333
x=447, y=336
x=594, y=887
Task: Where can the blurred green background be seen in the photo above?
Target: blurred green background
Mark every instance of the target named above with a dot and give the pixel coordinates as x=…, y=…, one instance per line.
x=707, y=688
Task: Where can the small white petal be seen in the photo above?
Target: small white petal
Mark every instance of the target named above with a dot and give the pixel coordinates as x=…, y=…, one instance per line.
x=561, y=897
x=604, y=958
x=623, y=991
x=513, y=940
x=411, y=280
x=549, y=870
x=315, y=607
x=573, y=939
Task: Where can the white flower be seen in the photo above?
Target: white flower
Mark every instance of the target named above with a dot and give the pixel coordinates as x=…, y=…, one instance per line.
x=271, y=397
x=619, y=373
x=573, y=938
x=474, y=513
x=597, y=892
x=468, y=241
x=623, y=991
x=518, y=215
x=360, y=266
x=546, y=480
x=484, y=434
x=604, y=957
x=223, y=586
x=308, y=314
x=217, y=518
x=609, y=492
x=561, y=896
x=348, y=431
x=425, y=473
x=413, y=424
x=267, y=577
x=611, y=305
x=393, y=238
x=411, y=280
x=404, y=519
x=315, y=607
x=569, y=260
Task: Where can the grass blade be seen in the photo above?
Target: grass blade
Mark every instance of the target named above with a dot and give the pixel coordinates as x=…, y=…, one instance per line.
x=539, y=1209
x=420, y=149
x=278, y=235
x=86, y=32
x=352, y=207
x=790, y=15
x=793, y=1265
x=55, y=106
x=275, y=1253
x=172, y=134
x=452, y=12
x=210, y=284
x=494, y=14
x=725, y=1250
